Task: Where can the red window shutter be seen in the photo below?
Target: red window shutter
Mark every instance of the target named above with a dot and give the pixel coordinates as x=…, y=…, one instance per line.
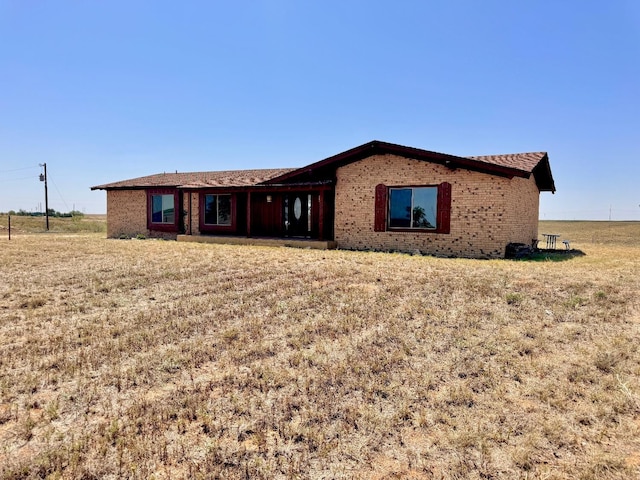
x=380, y=223
x=444, y=208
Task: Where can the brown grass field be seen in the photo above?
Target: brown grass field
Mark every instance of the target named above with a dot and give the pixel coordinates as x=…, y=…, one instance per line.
x=156, y=359
x=83, y=224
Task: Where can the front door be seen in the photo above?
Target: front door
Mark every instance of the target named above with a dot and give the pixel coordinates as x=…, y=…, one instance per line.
x=297, y=214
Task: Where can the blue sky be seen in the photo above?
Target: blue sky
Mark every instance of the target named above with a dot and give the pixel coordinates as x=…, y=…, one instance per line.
x=104, y=91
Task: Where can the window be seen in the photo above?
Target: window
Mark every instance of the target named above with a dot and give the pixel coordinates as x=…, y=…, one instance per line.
x=218, y=212
x=424, y=208
x=163, y=209
x=217, y=209
x=414, y=207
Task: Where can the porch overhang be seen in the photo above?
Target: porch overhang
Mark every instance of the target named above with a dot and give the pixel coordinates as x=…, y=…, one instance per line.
x=279, y=187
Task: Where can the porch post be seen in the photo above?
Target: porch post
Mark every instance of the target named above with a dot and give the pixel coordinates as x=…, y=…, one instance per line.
x=248, y=214
x=321, y=215
x=190, y=218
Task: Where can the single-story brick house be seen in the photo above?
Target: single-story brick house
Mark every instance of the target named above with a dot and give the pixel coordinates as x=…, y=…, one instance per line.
x=377, y=196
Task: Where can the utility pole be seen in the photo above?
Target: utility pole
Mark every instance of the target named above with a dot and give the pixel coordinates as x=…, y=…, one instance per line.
x=43, y=178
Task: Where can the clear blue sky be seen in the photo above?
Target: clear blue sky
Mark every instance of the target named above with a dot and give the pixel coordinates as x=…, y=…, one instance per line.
x=104, y=91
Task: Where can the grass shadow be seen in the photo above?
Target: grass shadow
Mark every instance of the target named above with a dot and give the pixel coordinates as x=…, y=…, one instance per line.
x=544, y=255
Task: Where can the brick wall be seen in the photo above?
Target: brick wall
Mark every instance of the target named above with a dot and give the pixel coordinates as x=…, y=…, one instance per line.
x=487, y=212
x=127, y=215
x=190, y=202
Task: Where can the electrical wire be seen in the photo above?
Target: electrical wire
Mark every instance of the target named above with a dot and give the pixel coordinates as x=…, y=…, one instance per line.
x=58, y=190
x=6, y=180
x=18, y=169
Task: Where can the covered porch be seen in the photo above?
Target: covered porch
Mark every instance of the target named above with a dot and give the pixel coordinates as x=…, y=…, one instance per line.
x=273, y=214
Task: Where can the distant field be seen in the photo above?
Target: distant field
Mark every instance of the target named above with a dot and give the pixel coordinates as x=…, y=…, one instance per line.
x=577, y=232
x=155, y=359
x=585, y=233
x=86, y=223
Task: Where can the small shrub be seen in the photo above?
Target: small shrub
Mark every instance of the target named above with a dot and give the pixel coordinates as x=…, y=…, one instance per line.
x=576, y=301
x=514, y=298
x=26, y=428
x=34, y=302
x=605, y=362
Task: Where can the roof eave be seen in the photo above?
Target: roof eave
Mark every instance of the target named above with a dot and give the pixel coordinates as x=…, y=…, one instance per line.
x=544, y=177
x=377, y=147
x=132, y=187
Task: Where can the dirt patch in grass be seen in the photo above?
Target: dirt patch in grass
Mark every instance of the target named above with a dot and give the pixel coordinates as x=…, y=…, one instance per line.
x=179, y=360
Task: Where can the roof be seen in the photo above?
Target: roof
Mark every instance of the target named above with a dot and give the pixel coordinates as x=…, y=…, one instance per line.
x=521, y=161
x=506, y=165
x=536, y=163
x=229, y=178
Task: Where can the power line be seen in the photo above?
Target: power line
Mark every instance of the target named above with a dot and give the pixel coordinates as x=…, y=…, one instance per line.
x=6, y=180
x=18, y=169
x=58, y=190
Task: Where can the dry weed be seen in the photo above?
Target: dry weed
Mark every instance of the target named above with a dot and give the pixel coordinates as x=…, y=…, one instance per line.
x=158, y=359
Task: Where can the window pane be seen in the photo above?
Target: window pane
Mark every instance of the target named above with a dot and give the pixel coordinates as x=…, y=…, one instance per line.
x=297, y=208
x=309, y=213
x=224, y=209
x=400, y=207
x=168, y=212
x=286, y=212
x=162, y=209
x=210, y=210
x=156, y=208
x=425, y=207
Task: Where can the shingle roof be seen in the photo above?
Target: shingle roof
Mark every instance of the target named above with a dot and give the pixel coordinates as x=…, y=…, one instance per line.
x=520, y=161
x=229, y=178
x=518, y=164
x=513, y=164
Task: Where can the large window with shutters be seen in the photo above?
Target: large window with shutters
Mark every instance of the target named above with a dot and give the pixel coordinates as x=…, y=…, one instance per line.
x=413, y=207
x=424, y=208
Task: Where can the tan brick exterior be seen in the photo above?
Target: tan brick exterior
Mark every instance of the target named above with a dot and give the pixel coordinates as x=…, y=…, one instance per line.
x=190, y=202
x=487, y=212
x=127, y=215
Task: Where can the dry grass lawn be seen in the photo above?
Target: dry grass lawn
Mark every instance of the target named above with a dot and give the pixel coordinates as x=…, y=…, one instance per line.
x=26, y=224
x=155, y=359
